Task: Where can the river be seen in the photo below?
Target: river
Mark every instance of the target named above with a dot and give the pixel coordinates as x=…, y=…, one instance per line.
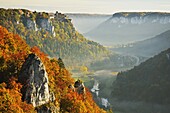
x=99, y=79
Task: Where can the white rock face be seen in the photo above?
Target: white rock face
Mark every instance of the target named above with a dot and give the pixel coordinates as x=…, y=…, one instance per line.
x=163, y=19
x=34, y=78
x=47, y=25
x=31, y=25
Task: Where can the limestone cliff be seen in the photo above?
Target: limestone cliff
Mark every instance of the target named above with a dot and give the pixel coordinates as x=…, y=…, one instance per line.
x=34, y=78
x=31, y=24
x=46, y=24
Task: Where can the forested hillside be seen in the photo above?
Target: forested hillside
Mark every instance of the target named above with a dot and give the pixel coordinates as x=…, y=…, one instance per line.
x=53, y=33
x=148, y=82
x=14, y=54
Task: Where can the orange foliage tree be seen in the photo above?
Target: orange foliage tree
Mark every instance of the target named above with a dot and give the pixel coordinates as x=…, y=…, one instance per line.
x=10, y=100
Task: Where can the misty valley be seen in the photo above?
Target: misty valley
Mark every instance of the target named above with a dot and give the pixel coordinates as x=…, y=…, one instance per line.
x=131, y=78
x=81, y=63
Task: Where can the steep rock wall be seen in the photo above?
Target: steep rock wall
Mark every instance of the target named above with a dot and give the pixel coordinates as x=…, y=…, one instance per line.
x=34, y=78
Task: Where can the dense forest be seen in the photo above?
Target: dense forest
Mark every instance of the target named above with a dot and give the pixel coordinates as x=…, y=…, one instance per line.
x=13, y=52
x=148, y=82
x=53, y=33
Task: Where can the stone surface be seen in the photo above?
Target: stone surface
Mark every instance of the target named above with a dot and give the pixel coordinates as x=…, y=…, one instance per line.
x=46, y=24
x=31, y=24
x=79, y=87
x=34, y=78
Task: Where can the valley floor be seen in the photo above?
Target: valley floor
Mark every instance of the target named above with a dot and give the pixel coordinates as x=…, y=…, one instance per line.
x=105, y=78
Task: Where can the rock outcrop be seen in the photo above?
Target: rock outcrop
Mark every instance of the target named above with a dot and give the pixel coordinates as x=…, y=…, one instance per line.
x=78, y=87
x=46, y=24
x=35, y=88
x=39, y=24
x=31, y=24
x=34, y=78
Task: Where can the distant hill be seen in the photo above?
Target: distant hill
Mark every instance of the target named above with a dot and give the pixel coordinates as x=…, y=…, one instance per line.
x=53, y=33
x=148, y=82
x=128, y=27
x=148, y=47
x=86, y=22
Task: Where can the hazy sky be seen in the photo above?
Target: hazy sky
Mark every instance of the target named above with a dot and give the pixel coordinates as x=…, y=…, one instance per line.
x=89, y=6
